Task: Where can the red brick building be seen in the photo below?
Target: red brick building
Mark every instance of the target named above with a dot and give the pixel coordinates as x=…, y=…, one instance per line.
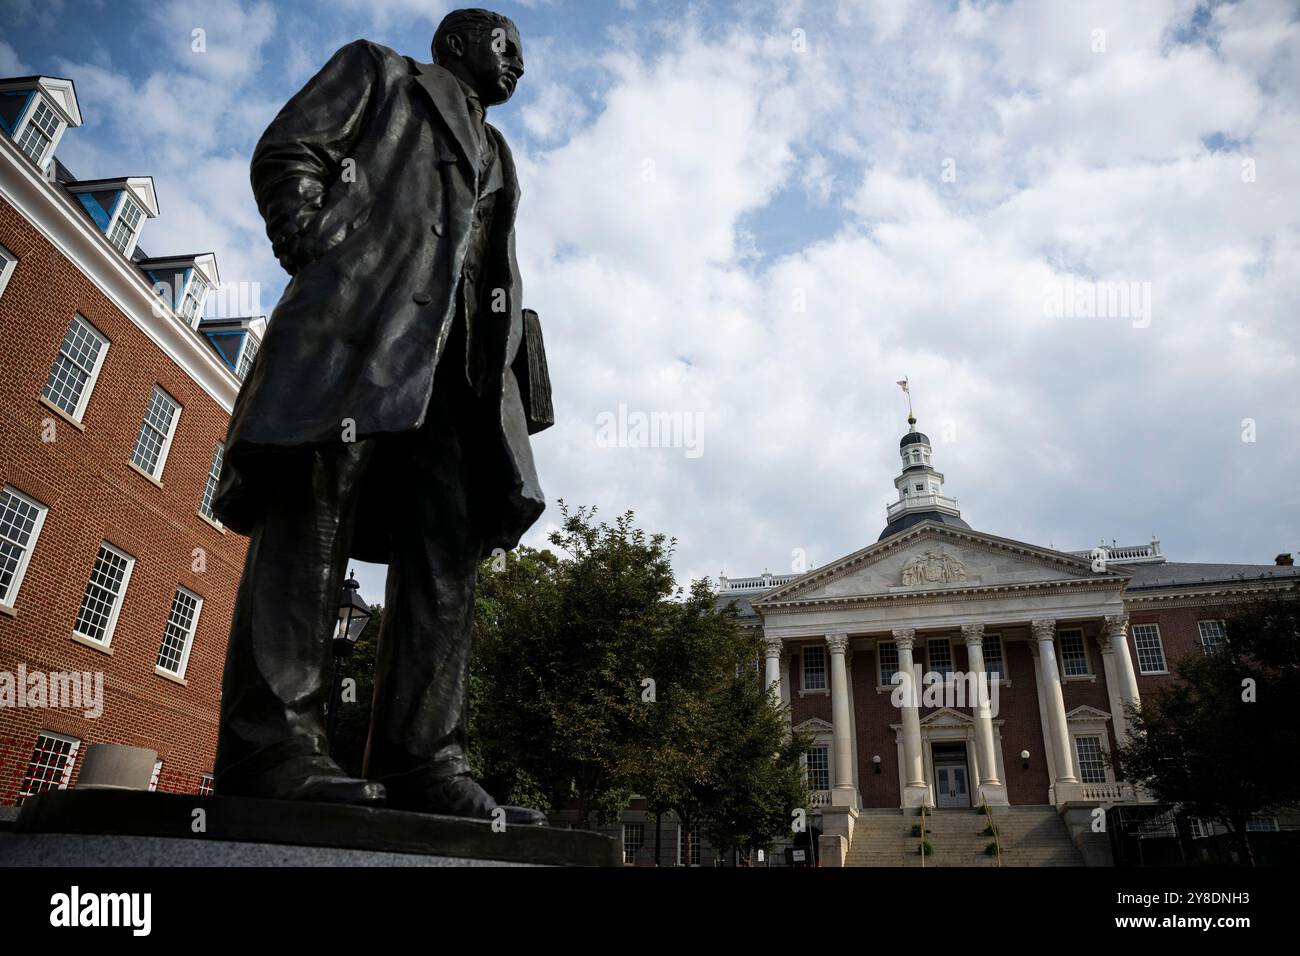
x=116, y=583
x=1068, y=640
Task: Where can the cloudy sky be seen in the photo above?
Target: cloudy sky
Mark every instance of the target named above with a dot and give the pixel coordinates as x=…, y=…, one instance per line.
x=761, y=215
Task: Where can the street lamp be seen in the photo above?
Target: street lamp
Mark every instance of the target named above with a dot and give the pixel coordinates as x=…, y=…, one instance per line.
x=354, y=615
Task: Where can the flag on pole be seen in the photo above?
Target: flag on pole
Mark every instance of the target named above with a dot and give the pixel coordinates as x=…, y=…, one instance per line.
x=903, y=386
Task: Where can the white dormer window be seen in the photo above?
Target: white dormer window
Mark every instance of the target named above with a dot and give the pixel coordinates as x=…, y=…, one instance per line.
x=246, y=357
x=40, y=133
x=192, y=302
x=124, y=228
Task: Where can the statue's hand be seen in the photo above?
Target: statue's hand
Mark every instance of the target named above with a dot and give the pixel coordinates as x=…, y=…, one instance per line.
x=289, y=246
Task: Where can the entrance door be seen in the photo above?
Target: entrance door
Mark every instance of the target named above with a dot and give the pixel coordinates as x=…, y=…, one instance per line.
x=950, y=787
x=951, y=780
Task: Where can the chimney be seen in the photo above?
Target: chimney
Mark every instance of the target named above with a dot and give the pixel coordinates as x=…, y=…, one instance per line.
x=1283, y=560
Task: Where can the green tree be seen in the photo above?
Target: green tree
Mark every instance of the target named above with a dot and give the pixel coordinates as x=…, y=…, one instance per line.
x=716, y=749
x=563, y=647
x=1208, y=741
x=758, y=777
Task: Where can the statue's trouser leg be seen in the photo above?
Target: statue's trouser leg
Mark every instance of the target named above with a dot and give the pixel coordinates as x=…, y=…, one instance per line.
x=422, y=668
x=277, y=677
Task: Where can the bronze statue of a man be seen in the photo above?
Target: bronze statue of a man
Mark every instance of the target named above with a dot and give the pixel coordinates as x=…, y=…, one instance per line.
x=383, y=418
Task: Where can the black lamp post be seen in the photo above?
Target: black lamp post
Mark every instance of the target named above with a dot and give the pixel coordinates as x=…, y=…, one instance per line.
x=354, y=615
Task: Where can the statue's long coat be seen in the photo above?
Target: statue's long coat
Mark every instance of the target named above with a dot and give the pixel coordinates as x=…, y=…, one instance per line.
x=367, y=181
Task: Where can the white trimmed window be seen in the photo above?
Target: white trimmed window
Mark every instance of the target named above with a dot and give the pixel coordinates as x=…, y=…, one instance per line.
x=205, y=784
x=76, y=368
x=994, y=665
x=103, y=598
x=887, y=659
x=8, y=262
x=1074, y=658
x=939, y=654
x=50, y=766
x=246, y=357
x=688, y=845
x=21, y=519
x=1213, y=633
x=817, y=763
x=39, y=132
x=178, y=636
x=633, y=841
x=210, y=486
x=814, y=667
x=156, y=431
x=1150, y=649
x=125, y=225
x=192, y=302
x=1092, y=760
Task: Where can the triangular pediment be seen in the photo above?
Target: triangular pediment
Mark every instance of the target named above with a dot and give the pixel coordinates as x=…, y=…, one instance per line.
x=1085, y=712
x=946, y=717
x=935, y=558
x=813, y=726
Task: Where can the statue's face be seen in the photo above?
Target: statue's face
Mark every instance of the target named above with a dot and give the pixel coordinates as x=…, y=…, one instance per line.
x=491, y=61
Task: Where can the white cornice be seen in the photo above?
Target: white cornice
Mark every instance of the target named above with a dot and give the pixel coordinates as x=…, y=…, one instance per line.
x=931, y=529
x=49, y=210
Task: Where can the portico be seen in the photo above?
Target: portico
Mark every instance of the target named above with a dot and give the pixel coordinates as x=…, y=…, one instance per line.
x=975, y=596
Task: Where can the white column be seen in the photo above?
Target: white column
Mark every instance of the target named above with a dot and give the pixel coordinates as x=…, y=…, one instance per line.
x=1044, y=634
x=772, y=647
x=1121, y=682
x=1117, y=630
x=991, y=789
x=843, y=792
x=915, y=790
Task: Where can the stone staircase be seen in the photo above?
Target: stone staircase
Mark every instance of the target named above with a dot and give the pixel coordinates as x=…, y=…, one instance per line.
x=1030, y=836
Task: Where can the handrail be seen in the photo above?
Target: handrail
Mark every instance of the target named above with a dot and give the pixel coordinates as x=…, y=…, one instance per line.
x=997, y=837
x=922, y=846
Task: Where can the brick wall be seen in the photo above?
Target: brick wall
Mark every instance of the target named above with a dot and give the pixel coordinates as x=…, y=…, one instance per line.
x=93, y=494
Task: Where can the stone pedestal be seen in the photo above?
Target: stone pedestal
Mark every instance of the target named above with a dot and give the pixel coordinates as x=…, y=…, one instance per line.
x=116, y=767
x=132, y=828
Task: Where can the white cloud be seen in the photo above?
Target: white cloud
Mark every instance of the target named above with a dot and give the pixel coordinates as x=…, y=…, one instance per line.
x=1067, y=162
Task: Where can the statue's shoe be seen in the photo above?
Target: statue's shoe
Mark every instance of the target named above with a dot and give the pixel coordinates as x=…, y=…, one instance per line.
x=455, y=796
x=315, y=779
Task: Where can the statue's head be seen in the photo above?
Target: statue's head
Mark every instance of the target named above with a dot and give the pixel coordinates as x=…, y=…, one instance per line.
x=483, y=49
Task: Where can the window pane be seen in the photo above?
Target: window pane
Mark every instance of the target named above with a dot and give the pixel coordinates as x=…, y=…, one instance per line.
x=251, y=347
x=1150, y=652
x=179, y=631
x=940, y=652
x=124, y=228
x=75, y=366
x=210, y=486
x=102, y=594
x=888, y=655
x=819, y=768
x=1092, y=765
x=159, y=417
x=39, y=133
x=18, y=519
x=814, y=668
x=50, y=766
x=993, y=665
x=633, y=841
x=1074, y=662
x=1212, y=634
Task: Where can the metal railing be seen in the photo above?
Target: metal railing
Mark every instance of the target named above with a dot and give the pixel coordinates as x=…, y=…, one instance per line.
x=997, y=837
